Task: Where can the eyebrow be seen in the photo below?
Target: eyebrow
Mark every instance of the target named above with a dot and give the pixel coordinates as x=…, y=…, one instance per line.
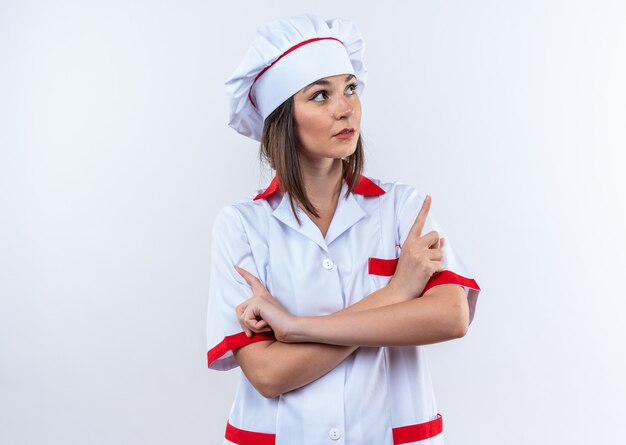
x=326, y=83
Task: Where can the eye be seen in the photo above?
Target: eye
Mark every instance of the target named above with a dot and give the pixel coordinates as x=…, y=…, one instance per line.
x=320, y=94
x=352, y=88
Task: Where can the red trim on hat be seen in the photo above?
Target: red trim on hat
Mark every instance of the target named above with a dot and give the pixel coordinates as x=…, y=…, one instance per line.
x=365, y=186
x=235, y=341
x=293, y=48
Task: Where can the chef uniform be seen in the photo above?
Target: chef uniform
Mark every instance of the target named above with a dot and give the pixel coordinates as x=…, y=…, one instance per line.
x=378, y=395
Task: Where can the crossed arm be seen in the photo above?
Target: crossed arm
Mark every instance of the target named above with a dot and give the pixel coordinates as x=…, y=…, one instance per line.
x=383, y=318
x=309, y=347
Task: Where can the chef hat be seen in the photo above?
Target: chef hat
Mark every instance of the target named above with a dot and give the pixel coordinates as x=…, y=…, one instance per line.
x=285, y=56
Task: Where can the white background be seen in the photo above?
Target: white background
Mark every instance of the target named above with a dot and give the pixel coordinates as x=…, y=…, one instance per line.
x=115, y=157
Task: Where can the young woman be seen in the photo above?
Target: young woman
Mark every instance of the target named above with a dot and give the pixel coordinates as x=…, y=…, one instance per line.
x=325, y=284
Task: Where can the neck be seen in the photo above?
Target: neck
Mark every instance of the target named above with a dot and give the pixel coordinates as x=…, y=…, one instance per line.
x=323, y=182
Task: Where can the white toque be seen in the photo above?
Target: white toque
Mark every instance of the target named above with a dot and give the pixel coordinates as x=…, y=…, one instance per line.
x=285, y=56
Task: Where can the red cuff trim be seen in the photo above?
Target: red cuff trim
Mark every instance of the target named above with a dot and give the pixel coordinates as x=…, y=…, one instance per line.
x=243, y=437
x=235, y=341
x=417, y=432
x=449, y=277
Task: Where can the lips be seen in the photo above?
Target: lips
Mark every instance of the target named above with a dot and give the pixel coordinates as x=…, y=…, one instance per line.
x=346, y=131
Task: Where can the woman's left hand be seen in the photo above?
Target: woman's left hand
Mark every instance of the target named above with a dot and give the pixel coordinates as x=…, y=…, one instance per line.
x=262, y=312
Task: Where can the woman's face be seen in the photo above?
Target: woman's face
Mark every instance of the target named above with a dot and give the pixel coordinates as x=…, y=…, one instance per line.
x=322, y=110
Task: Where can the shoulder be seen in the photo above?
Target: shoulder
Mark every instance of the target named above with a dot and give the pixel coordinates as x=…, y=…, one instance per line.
x=245, y=214
x=397, y=193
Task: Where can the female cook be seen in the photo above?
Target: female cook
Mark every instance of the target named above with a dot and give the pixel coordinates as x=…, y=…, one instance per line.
x=325, y=284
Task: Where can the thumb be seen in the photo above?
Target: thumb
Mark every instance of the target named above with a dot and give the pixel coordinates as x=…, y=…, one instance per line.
x=437, y=244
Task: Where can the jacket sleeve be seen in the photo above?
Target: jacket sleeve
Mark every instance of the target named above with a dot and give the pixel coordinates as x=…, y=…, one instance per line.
x=227, y=289
x=455, y=271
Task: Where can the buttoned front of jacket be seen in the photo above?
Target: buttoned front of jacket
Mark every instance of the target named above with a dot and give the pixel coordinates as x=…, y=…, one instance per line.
x=377, y=396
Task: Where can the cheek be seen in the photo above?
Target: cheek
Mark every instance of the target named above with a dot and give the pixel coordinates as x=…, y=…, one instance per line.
x=310, y=127
x=357, y=111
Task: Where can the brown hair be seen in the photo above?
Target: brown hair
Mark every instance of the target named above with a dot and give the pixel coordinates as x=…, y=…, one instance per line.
x=279, y=149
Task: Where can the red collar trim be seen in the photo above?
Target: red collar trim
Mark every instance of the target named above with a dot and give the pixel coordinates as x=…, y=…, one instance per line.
x=270, y=190
x=365, y=187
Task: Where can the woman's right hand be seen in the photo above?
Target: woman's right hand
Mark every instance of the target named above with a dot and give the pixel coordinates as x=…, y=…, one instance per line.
x=421, y=257
x=262, y=312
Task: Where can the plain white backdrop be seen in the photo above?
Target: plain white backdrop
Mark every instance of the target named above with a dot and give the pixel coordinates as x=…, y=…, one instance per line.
x=115, y=157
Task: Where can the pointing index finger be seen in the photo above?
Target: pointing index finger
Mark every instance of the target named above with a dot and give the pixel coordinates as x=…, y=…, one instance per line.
x=420, y=220
x=251, y=279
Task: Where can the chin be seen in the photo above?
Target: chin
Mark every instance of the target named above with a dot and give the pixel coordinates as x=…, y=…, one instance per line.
x=351, y=151
x=336, y=152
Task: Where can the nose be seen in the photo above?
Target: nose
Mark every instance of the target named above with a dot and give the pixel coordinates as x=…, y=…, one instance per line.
x=343, y=108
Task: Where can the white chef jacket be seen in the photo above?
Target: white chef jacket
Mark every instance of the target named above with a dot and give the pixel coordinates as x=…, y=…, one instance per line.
x=376, y=396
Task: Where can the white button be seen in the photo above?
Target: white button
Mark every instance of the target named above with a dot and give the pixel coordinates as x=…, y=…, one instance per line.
x=334, y=433
x=327, y=264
